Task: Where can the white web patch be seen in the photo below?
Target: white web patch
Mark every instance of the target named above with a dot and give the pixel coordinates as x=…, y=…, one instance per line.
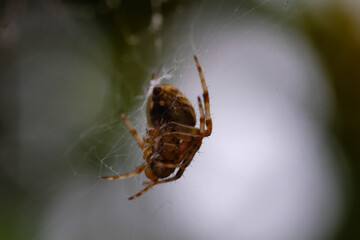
x=109, y=146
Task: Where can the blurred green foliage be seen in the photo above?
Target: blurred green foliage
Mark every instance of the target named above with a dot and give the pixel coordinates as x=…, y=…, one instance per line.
x=335, y=33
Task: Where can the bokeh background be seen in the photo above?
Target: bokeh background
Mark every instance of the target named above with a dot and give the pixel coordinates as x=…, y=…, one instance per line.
x=283, y=78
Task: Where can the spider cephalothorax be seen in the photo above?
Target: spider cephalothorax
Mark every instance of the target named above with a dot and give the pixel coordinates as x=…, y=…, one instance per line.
x=172, y=139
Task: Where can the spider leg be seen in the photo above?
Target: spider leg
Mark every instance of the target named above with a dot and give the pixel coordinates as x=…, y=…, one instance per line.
x=147, y=188
x=202, y=117
x=127, y=175
x=165, y=165
x=181, y=170
x=132, y=129
x=178, y=127
x=183, y=136
x=208, y=119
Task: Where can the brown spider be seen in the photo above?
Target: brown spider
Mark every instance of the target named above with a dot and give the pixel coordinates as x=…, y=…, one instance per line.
x=172, y=138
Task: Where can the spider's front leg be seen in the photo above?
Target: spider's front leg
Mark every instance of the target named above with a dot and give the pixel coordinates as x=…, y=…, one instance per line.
x=148, y=187
x=132, y=130
x=127, y=175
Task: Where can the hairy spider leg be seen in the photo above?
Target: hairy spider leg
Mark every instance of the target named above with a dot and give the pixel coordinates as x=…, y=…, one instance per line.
x=178, y=127
x=148, y=187
x=202, y=117
x=132, y=129
x=206, y=99
x=128, y=175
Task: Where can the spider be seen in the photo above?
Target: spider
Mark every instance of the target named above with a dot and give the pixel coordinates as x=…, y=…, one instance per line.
x=171, y=139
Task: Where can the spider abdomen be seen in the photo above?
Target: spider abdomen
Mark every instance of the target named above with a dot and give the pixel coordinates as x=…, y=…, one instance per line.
x=167, y=104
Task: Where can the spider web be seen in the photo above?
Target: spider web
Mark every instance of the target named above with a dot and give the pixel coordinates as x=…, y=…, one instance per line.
x=264, y=107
